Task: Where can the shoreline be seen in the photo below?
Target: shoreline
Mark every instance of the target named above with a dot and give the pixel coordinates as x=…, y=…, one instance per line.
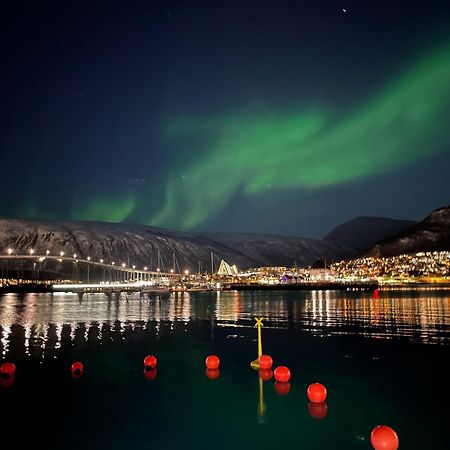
x=39, y=288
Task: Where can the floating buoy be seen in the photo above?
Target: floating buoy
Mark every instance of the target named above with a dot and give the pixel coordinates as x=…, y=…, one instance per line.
x=7, y=370
x=8, y=381
x=282, y=373
x=318, y=410
x=265, y=374
x=282, y=387
x=384, y=438
x=212, y=362
x=77, y=369
x=150, y=373
x=212, y=374
x=317, y=392
x=265, y=362
x=150, y=361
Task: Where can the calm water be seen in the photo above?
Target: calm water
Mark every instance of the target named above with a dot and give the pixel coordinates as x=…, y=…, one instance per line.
x=382, y=360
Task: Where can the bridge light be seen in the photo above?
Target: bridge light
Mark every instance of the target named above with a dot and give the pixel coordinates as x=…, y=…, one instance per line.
x=123, y=264
x=47, y=252
x=74, y=256
x=31, y=251
x=101, y=261
x=10, y=251
x=88, y=258
x=145, y=268
x=61, y=253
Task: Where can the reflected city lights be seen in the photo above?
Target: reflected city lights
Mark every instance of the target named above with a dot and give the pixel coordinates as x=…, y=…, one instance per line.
x=44, y=324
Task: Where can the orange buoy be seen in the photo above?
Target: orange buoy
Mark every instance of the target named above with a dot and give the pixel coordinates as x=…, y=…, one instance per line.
x=77, y=369
x=265, y=374
x=150, y=361
x=318, y=410
x=212, y=362
x=265, y=362
x=317, y=392
x=384, y=438
x=282, y=387
x=150, y=373
x=282, y=373
x=7, y=369
x=212, y=374
x=8, y=381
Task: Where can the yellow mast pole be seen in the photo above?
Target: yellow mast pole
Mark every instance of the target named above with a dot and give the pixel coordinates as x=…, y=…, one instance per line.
x=255, y=364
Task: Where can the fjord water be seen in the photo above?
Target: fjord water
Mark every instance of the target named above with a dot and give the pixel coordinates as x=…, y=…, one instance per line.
x=382, y=360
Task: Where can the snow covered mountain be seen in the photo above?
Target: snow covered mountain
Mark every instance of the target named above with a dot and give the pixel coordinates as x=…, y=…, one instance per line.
x=140, y=245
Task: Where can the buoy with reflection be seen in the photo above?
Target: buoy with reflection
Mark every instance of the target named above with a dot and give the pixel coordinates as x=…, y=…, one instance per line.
x=384, y=438
x=77, y=369
x=150, y=373
x=212, y=374
x=282, y=387
x=150, y=361
x=7, y=382
x=317, y=393
x=318, y=410
x=282, y=373
x=265, y=362
x=7, y=370
x=212, y=362
x=265, y=374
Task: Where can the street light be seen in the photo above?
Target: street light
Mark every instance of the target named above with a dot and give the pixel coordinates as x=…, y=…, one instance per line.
x=47, y=252
x=88, y=258
x=61, y=253
x=10, y=250
x=74, y=256
x=31, y=251
x=186, y=272
x=101, y=261
x=145, y=268
x=123, y=265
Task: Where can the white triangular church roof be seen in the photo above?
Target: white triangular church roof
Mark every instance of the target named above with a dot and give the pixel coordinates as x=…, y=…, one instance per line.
x=226, y=269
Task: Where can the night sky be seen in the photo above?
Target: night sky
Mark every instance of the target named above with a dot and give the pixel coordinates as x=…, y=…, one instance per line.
x=279, y=116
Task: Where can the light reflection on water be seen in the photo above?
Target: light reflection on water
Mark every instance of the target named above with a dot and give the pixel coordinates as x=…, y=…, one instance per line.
x=42, y=320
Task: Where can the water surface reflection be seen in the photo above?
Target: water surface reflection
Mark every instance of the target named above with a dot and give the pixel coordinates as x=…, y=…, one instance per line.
x=41, y=323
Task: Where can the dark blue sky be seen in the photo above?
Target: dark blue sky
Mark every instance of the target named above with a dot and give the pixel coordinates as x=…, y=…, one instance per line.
x=278, y=116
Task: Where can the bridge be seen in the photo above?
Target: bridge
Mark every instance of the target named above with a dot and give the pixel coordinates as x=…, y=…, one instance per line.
x=83, y=269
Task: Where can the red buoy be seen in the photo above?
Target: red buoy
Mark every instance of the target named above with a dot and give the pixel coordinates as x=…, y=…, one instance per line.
x=7, y=369
x=318, y=410
x=282, y=387
x=317, y=392
x=8, y=381
x=265, y=374
x=282, y=373
x=77, y=369
x=384, y=438
x=265, y=362
x=212, y=362
x=150, y=373
x=150, y=361
x=212, y=374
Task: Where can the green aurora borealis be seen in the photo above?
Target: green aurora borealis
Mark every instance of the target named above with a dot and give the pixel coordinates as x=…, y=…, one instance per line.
x=406, y=121
x=262, y=117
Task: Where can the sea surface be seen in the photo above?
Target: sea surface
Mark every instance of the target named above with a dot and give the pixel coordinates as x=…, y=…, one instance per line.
x=383, y=361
